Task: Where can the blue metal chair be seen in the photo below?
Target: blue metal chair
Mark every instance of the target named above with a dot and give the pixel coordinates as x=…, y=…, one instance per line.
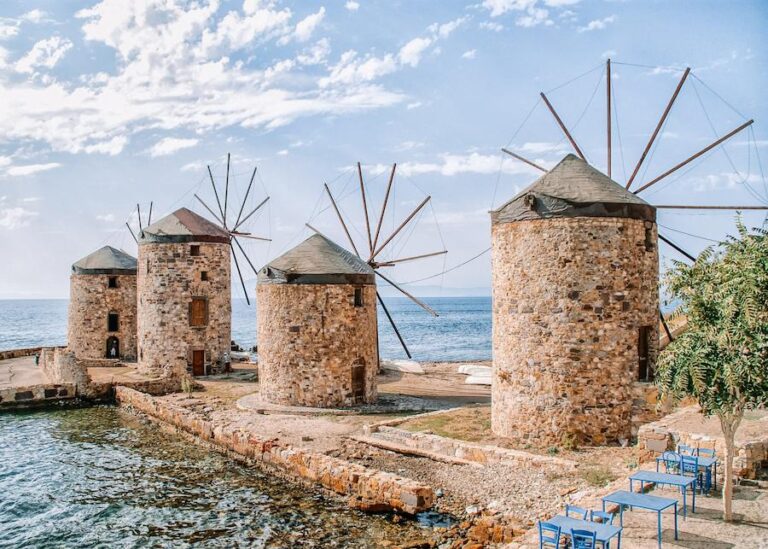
x=671, y=462
x=583, y=539
x=602, y=516
x=711, y=476
x=689, y=466
x=686, y=450
x=549, y=534
x=578, y=512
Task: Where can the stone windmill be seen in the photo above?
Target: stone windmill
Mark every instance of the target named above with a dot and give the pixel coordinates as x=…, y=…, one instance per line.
x=376, y=243
x=575, y=296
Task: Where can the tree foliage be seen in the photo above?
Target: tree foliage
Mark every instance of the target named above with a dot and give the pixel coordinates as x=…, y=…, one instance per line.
x=722, y=357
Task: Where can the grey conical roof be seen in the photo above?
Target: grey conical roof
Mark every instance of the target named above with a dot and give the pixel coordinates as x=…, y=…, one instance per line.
x=106, y=260
x=317, y=260
x=183, y=225
x=573, y=188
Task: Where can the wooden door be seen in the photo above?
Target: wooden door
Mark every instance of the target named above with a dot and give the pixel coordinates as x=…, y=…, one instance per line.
x=198, y=363
x=358, y=381
x=643, y=371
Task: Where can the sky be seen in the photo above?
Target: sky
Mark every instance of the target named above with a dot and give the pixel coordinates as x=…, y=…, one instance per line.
x=106, y=105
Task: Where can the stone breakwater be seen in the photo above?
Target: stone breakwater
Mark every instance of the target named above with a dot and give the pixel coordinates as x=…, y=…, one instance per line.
x=368, y=489
x=36, y=395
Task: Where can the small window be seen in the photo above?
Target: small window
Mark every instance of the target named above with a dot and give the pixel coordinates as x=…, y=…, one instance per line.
x=112, y=283
x=113, y=322
x=649, y=243
x=147, y=266
x=203, y=275
x=194, y=250
x=644, y=367
x=358, y=297
x=198, y=311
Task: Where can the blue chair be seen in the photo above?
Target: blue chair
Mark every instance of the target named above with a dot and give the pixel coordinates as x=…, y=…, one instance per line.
x=578, y=512
x=686, y=450
x=549, y=534
x=671, y=462
x=711, y=470
x=583, y=539
x=601, y=516
x=689, y=466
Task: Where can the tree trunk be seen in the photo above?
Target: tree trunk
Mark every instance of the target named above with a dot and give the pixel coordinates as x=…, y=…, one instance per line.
x=729, y=424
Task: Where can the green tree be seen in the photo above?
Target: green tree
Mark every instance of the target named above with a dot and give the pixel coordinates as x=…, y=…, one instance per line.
x=722, y=358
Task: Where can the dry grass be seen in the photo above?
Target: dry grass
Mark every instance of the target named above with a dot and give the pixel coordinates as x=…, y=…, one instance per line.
x=472, y=424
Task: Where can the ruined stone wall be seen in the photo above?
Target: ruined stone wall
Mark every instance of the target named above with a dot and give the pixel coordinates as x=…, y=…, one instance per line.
x=310, y=336
x=90, y=301
x=569, y=298
x=60, y=366
x=168, y=278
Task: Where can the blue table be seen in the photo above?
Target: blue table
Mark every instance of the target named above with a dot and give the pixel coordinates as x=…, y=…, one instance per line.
x=605, y=532
x=653, y=503
x=706, y=464
x=665, y=478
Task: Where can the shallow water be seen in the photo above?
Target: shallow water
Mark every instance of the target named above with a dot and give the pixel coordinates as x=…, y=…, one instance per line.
x=99, y=477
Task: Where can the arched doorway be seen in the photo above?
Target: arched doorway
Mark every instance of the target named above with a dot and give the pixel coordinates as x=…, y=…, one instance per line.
x=113, y=347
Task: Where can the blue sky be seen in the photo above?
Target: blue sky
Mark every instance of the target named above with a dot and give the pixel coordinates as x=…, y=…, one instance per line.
x=106, y=104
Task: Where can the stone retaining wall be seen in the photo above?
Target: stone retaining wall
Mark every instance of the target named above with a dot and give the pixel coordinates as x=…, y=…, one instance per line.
x=367, y=488
x=17, y=353
x=61, y=366
x=36, y=395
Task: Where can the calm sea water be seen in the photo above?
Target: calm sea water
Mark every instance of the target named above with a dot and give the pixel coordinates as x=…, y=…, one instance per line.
x=98, y=477
x=461, y=332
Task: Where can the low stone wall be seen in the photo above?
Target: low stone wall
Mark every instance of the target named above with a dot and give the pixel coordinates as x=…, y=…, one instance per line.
x=368, y=489
x=468, y=451
x=104, y=362
x=36, y=395
x=660, y=436
x=17, y=353
x=61, y=366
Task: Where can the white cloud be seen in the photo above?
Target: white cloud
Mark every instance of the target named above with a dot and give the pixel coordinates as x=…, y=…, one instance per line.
x=351, y=5
x=29, y=199
x=106, y=218
x=414, y=105
x=307, y=26
x=315, y=54
x=491, y=26
x=411, y=53
x=283, y=152
x=535, y=11
x=8, y=30
x=44, y=54
x=34, y=16
x=541, y=147
x=598, y=24
x=30, y=169
x=722, y=181
x=15, y=218
x=195, y=166
x=470, y=54
x=170, y=145
x=445, y=30
x=455, y=164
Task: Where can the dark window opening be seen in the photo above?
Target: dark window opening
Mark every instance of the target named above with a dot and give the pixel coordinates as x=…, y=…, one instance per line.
x=147, y=266
x=112, y=282
x=649, y=243
x=358, y=380
x=194, y=250
x=358, y=297
x=644, y=369
x=113, y=322
x=198, y=311
x=204, y=275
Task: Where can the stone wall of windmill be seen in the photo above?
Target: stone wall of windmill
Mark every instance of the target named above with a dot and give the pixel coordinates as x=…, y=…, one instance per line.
x=184, y=297
x=575, y=308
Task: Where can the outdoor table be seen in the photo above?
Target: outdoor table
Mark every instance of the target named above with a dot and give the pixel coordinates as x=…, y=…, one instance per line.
x=605, y=532
x=653, y=503
x=707, y=464
x=665, y=478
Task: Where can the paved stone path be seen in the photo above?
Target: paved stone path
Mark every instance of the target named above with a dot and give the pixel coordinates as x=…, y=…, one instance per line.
x=20, y=372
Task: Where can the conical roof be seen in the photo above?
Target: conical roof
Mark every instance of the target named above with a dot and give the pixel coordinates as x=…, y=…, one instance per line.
x=183, y=225
x=317, y=260
x=573, y=188
x=106, y=260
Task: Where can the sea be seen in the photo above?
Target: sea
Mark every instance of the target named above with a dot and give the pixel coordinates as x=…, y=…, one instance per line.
x=461, y=332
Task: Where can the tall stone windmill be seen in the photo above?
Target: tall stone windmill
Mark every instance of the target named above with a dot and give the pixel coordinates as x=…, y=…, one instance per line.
x=575, y=295
x=377, y=243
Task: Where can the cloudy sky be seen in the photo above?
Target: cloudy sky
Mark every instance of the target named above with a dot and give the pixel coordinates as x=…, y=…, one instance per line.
x=107, y=104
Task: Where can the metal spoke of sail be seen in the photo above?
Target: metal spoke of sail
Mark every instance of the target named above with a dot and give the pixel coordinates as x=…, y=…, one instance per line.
x=413, y=298
x=365, y=208
x=394, y=327
x=245, y=255
x=562, y=126
x=215, y=192
x=256, y=209
x=341, y=219
x=245, y=199
x=216, y=217
x=392, y=262
x=691, y=207
x=138, y=210
x=226, y=193
x=676, y=247
x=149, y=219
x=384, y=206
x=237, y=265
x=400, y=228
x=523, y=159
x=132, y=234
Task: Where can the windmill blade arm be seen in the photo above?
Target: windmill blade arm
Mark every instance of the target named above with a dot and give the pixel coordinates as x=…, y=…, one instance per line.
x=216, y=217
x=523, y=159
x=149, y=220
x=226, y=193
x=392, y=262
x=384, y=206
x=245, y=255
x=215, y=193
x=400, y=228
x=242, y=282
x=131, y=231
x=365, y=208
x=413, y=298
x=249, y=235
x=245, y=199
x=676, y=247
x=687, y=207
x=313, y=229
x=256, y=209
x=394, y=327
x=562, y=126
x=341, y=219
x=138, y=210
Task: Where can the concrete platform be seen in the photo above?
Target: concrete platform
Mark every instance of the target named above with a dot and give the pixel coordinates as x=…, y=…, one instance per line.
x=20, y=372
